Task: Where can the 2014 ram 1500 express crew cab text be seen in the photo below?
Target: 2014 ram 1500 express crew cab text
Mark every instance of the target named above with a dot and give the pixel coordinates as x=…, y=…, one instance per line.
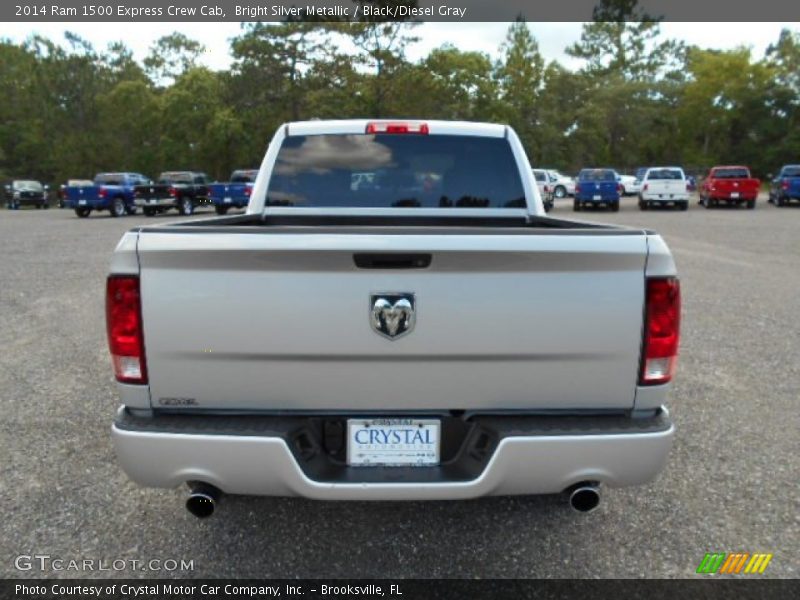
x=402, y=321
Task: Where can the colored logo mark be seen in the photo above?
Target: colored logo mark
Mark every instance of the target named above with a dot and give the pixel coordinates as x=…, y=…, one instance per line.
x=734, y=563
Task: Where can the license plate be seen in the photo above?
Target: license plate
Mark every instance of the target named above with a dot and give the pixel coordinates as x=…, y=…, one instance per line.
x=153, y=201
x=82, y=202
x=393, y=442
x=734, y=194
x=227, y=200
x=597, y=197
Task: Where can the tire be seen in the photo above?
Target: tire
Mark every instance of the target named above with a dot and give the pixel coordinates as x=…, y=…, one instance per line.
x=186, y=207
x=46, y=205
x=221, y=210
x=780, y=201
x=38, y=207
x=683, y=205
x=149, y=212
x=560, y=191
x=576, y=206
x=642, y=204
x=117, y=207
x=82, y=212
x=751, y=204
x=130, y=210
x=615, y=206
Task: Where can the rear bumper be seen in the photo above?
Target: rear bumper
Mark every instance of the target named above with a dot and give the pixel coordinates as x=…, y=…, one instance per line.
x=160, y=203
x=591, y=200
x=662, y=198
x=521, y=455
x=97, y=204
x=232, y=202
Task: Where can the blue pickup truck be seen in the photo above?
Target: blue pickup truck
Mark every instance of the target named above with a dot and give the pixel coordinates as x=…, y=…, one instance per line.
x=109, y=191
x=786, y=186
x=597, y=187
x=235, y=193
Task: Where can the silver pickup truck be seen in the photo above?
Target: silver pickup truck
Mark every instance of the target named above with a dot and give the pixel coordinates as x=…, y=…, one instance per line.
x=395, y=319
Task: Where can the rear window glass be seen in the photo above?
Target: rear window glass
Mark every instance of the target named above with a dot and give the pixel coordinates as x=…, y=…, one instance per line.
x=243, y=176
x=665, y=174
x=731, y=173
x=540, y=176
x=791, y=172
x=175, y=178
x=401, y=171
x=597, y=175
x=110, y=178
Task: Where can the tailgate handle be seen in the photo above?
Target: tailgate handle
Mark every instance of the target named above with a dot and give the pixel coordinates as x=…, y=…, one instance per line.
x=392, y=261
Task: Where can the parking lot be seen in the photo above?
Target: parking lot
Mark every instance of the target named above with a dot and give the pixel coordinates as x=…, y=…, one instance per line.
x=730, y=485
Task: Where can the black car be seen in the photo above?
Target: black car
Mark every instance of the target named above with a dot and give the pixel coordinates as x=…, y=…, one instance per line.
x=26, y=192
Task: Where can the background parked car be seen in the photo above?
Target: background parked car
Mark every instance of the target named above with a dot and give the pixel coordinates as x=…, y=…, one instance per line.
x=233, y=194
x=109, y=191
x=664, y=185
x=729, y=184
x=181, y=190
x=786, y=186
x=562, y=185
x=545, y=191
x=630, y=185
x=597, y=187
x=25, y=192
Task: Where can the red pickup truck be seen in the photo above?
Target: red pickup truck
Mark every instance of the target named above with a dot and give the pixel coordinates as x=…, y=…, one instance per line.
x=731, y=184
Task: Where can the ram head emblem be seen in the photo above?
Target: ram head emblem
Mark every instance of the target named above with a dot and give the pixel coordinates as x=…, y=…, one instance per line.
x=392, y=314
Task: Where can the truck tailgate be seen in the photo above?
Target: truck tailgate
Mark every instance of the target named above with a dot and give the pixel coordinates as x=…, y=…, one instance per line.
x=667, y=188
x=280, y=321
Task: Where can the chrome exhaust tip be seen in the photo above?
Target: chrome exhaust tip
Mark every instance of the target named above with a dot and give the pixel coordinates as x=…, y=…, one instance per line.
x=584, y=498
x=202, y=500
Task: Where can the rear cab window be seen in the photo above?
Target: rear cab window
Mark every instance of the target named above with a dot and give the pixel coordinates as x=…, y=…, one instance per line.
x=597, y=175
x=248, y=176
x=175, y=177
x=731, y=173
x=791, y=172
x=395, y=171
x=110, y=179
x=656, y=174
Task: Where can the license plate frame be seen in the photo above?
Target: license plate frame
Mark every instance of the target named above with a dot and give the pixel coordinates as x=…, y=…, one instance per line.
x=734, y=194
x=417, y=442
x=597, y=197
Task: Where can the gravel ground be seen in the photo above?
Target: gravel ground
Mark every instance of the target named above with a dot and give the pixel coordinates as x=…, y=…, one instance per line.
x=730, y=485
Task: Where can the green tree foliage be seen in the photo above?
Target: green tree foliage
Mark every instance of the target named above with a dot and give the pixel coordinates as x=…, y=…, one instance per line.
x=70, y=110
x=519, y=77
x=171, y=56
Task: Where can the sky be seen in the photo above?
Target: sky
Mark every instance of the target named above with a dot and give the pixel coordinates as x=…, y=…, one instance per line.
x=483, y=37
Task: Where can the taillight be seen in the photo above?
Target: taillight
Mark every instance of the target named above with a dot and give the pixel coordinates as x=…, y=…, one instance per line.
x=645, y=187
x=619, y=188
x=577, y=188
x=547, y=189
x=785, y=184
x=102, y=192
x=396, y=127
x=661, y=330
x=688, y=187
x=173, y=192
x=124, y=325
x=248, y=190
